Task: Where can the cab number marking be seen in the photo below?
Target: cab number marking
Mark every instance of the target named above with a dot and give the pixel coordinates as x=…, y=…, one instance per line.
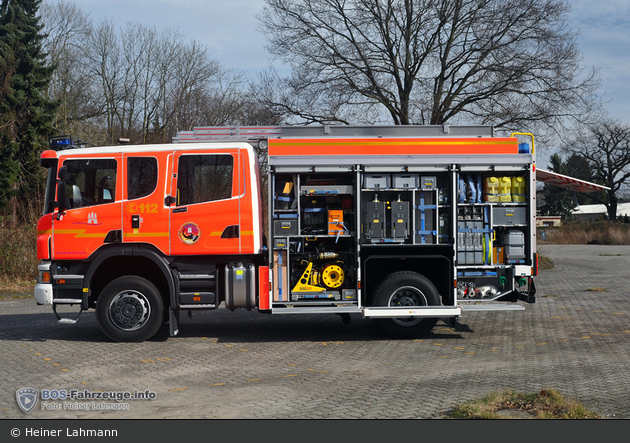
x=146, y=208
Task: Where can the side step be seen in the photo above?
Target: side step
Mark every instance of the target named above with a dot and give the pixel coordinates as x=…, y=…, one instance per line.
x=492, y=307
x=64, y=320
x=412, y=311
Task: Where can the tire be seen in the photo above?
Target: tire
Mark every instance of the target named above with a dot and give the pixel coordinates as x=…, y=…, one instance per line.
x=130, y=309
x=406, y=289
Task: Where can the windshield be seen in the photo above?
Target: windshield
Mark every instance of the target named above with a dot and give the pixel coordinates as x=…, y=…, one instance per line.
x=51, y=188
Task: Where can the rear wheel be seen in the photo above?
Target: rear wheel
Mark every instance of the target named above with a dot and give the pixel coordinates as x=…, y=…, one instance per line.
x=130, y=309
x=406, y=289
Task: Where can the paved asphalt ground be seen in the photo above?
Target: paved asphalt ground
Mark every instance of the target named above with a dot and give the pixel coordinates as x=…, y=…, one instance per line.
x=246, y=365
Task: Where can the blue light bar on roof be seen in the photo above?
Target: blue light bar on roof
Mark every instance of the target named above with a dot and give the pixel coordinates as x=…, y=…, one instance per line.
x=62, y=142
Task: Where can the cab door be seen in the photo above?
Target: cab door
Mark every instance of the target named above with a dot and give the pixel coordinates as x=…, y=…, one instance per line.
x=145, y=216
x=206, y=215
x=93, y=214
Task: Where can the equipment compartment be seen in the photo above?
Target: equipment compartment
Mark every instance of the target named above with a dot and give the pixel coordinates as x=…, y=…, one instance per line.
x=408, y=213
x=322, y=269
x=484, y=284
x=315, y=261
x=327, y=204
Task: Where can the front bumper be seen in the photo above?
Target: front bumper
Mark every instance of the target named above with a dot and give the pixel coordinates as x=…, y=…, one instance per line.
x=43, y=289
x=43, y=294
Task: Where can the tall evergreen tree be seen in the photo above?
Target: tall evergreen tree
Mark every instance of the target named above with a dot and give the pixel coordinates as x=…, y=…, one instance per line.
x=26, y=114
x=578, y=167
x=557, y=200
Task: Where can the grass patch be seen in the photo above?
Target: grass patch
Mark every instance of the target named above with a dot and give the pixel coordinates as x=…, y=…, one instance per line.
x=18, y=260
x=601, y=232
x=544, y=262
x=16, y=288
x=18, y=254
x=546, y=404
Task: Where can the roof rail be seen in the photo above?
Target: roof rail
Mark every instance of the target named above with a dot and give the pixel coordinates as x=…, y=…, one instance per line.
x=244, y=133
x=256, y=133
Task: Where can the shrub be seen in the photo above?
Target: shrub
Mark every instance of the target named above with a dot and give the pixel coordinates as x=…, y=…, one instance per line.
x=18, y=252
x=602, y=232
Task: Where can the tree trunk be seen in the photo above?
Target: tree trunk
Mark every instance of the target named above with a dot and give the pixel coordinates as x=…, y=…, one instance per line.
x=612, y=206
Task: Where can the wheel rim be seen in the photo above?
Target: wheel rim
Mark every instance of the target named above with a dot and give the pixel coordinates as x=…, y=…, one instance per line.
x=129, y=310
x=407, y=296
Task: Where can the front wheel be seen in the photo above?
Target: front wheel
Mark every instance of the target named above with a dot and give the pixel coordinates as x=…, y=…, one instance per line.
x=129, y=309
x=406, y=289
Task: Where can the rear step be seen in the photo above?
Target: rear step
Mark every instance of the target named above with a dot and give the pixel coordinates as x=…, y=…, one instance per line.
x=492, y=307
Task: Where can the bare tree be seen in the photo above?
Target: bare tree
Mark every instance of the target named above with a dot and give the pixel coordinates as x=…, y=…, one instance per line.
x=501, y=62
x=187, y=77
x=104, y=61
x=151, y=83
x=606, y=146
x=137, y=82
x=67, y=27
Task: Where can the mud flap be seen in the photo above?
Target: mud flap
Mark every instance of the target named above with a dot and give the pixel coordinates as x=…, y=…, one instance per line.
x=173, y=322
x=530, y=296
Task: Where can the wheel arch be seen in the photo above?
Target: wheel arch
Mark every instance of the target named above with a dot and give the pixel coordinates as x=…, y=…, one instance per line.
x=406, y=289
x=119, y=262
x=436, y=268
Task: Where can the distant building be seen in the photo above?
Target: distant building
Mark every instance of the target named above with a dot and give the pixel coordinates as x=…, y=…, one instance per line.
x=546, y=221
x=593, y=212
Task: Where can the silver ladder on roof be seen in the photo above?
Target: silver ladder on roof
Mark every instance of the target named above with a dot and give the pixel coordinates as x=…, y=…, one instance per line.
x=257, y=133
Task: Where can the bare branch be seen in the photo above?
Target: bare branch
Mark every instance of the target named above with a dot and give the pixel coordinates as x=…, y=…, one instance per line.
x=499, y=62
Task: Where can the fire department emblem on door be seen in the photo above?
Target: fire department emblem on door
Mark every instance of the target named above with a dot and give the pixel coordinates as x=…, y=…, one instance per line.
x=189, y=233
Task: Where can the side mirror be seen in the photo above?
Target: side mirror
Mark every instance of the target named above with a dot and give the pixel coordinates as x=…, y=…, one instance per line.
x=62, y=172
x=62, y=199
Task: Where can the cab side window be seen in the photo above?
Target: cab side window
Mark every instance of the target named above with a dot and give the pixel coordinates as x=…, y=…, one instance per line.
x=204, y=178
x=90, y=182
x=142, y=175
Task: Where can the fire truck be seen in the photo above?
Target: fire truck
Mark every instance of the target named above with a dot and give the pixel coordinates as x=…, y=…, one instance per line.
x=405, y=225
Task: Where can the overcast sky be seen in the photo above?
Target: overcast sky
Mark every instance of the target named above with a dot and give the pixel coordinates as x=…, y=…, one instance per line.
x=230, y=31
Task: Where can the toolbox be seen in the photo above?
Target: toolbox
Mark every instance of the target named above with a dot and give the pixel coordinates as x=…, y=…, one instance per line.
x=377, y=181
x=285, y=227
x=335, y=222
x=406, y=181
x=509, y=215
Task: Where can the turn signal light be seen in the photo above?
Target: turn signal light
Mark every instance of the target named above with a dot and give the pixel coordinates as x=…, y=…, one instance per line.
x=45, y=277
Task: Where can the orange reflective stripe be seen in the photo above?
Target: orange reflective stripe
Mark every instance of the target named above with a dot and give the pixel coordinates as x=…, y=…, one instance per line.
x=408, y=146
x=80, y=233
x=145, y=234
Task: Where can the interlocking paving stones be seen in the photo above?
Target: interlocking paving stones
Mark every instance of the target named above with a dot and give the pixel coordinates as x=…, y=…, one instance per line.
x=241, y=364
